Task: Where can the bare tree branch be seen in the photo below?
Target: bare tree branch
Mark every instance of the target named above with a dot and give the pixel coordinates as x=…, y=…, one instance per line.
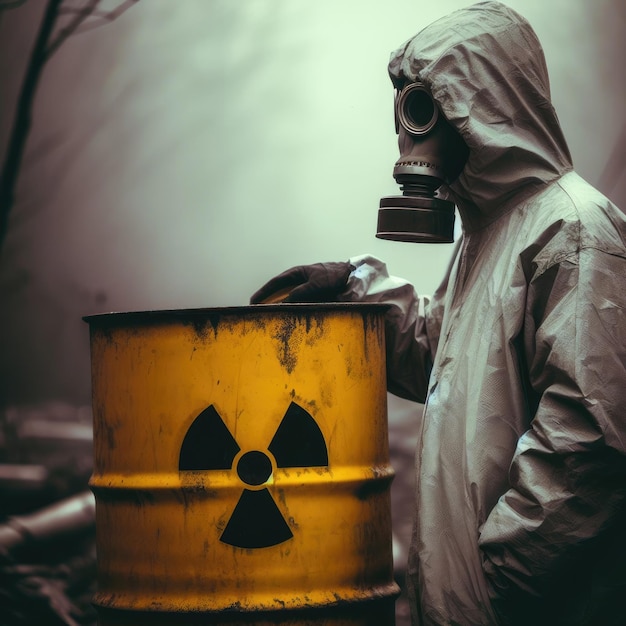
x=21, y=126
x=99, y=18
x=45, y=46
x=86, y=18
x=65, y=32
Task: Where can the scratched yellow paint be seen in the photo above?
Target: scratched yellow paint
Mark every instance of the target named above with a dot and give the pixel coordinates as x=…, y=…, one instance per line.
x=160, y=529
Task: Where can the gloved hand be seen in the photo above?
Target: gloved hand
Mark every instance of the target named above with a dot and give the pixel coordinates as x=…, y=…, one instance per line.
x=320, y=282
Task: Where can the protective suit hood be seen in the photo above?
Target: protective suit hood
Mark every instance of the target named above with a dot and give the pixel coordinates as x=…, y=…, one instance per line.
x=485, y=68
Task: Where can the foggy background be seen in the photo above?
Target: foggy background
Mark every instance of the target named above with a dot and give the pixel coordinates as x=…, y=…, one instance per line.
x=188, y=151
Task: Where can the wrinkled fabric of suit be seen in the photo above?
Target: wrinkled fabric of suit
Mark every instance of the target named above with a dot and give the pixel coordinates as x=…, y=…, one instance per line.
x=520, y=356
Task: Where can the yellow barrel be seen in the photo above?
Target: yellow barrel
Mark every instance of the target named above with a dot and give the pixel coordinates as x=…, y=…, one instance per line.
x=241, y=468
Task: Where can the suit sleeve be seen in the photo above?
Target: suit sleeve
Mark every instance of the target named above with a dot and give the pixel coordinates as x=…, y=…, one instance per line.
x=409, y=345
x=565, y=508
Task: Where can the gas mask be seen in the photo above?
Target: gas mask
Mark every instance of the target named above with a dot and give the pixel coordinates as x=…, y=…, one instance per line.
x=431, y=153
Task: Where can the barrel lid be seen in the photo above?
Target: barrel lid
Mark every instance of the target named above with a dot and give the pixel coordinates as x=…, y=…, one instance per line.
x=125, y=318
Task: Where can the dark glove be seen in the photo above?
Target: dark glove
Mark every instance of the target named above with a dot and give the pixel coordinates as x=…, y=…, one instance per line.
x=320, y=282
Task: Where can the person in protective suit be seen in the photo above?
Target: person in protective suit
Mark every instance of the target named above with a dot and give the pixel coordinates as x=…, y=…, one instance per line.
x=520, y=356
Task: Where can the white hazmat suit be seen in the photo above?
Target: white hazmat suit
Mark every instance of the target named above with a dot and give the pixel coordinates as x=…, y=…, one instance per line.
x=520, y=357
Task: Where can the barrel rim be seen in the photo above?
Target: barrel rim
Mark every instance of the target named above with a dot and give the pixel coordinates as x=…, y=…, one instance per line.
x=115, y=318
x=352, y=598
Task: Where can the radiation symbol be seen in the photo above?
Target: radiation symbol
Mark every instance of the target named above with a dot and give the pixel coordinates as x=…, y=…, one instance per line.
x=256, y=521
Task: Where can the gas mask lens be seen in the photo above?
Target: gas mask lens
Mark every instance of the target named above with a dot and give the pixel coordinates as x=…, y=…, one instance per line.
x=416, y=110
